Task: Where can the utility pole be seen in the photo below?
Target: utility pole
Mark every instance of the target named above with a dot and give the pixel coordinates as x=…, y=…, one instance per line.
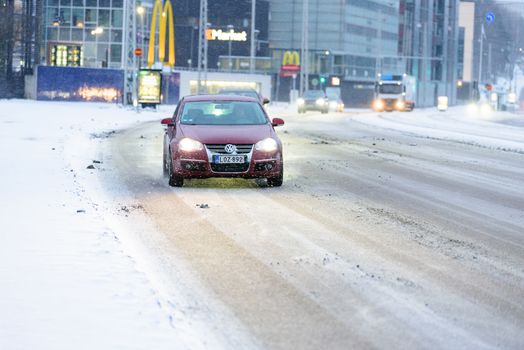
x=202, y=48
x=304, y=54
x=481, y=54
x=130, y=60
x=252, y=51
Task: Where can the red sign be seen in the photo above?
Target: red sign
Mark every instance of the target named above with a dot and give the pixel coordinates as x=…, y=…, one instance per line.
x=138, y=52
x=289, y=70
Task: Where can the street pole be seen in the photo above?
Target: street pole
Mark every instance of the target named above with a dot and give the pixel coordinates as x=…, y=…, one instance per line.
x=480, y=56
x=230, y=61
x=252, y=51
x=130, y=61
x=202, y=47
x=304, y=54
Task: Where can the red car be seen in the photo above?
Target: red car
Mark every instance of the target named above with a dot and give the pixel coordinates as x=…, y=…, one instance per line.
x=222, y=136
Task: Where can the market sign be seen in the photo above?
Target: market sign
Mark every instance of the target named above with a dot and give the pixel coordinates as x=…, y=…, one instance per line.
x=149, y=86
x=220, y=35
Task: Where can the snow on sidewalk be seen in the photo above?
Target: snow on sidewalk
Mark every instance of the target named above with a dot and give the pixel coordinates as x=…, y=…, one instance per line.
x=66, y=281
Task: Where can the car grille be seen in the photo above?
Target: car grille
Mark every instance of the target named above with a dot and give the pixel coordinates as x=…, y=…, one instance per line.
x=229, y=168
x=219, y=149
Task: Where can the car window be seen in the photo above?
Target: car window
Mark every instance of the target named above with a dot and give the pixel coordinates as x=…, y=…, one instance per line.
x=223, y=113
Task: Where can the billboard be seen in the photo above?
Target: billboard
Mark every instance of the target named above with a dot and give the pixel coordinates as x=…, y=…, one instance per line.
x=79, y=84
x=149, y=86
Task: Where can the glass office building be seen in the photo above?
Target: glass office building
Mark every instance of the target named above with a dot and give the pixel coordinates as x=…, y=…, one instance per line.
x=347, y=38
x=83, y=33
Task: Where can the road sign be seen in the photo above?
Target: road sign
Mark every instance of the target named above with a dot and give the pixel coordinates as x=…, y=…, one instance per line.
x=138, y=52
x=490, y=17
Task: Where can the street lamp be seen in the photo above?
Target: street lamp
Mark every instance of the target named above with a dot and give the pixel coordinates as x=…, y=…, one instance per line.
x=230, y=30
x=141, y=11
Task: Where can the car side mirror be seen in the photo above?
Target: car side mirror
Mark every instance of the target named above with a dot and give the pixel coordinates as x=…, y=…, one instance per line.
x=265, y=101
x=167, y=122
x=277, y=122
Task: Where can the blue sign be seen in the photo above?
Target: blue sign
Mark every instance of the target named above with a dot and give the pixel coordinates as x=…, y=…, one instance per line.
x=490, y=17
x=79, y=84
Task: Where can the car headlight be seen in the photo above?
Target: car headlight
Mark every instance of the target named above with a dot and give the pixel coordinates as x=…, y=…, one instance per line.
x=301, y=102
x=321, y=102
x=485, y=109
x=400, y=105
x=378, y=104
x=267, y=145
x=473, y=109
x=333, y=104
x=190, y=145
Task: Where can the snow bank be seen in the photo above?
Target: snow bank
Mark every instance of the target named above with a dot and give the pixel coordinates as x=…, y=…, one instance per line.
x=497, y=130
x=66, y=280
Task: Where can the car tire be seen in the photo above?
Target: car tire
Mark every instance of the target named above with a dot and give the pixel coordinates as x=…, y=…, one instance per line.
x=276, y=181
x=174, y=181
x=165, y=169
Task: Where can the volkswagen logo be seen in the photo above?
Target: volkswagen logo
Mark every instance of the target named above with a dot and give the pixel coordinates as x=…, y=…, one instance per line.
x=230, y=149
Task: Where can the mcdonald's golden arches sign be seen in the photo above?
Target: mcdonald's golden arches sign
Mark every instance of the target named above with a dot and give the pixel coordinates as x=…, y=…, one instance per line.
x=290, y=64
x=165, y=13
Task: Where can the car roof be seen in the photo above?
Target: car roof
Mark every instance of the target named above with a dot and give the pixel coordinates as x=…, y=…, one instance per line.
x=225, y=98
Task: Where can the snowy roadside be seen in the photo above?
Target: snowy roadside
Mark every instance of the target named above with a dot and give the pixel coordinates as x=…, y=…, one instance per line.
x=67, y=279
x=499, y=130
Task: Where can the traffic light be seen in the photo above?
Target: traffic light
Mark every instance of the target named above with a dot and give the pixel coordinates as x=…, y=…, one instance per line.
x=322, y=80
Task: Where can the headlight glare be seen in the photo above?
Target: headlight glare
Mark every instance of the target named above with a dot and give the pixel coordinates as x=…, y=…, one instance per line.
x=378, y=104
x=320, y=102
x=267, y=145
x=301, y=102
x=190, y=145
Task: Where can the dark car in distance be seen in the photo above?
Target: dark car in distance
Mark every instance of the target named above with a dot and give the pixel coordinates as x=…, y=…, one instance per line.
x=244, y=92
x=313, y=100
x=222, y=136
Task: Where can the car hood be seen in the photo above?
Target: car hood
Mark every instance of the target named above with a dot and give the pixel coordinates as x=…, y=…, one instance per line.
x=223, y=134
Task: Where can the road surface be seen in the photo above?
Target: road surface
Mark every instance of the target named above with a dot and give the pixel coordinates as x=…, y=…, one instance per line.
x=378, y=238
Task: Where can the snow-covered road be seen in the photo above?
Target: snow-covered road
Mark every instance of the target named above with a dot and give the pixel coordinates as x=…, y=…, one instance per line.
x=401, y=230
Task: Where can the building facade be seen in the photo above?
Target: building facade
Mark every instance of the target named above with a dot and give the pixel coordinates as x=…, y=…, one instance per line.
x=90, y=33
x=355, y=40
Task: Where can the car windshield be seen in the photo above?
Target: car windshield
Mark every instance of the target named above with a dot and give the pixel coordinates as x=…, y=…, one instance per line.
x=223, y=113
x=247, y=93
x=314, y=94
x=390, y=89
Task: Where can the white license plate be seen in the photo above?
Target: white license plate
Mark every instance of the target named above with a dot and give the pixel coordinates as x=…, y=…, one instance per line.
x=229, y=159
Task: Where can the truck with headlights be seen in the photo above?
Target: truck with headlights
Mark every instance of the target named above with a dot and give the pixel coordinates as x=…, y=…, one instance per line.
x=395, y=93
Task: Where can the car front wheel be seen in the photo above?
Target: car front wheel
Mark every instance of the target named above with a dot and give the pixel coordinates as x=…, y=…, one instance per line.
x=174, y=181
x=276, y=181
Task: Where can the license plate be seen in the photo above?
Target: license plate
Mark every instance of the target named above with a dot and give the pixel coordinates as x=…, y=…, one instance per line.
x=229, y=159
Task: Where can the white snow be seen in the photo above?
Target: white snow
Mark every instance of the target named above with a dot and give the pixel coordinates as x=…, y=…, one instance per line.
x=67, y=281
x=495, y=130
